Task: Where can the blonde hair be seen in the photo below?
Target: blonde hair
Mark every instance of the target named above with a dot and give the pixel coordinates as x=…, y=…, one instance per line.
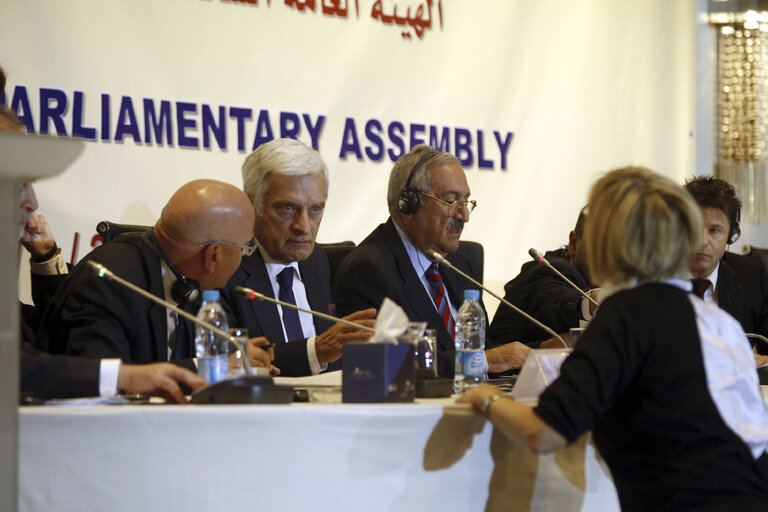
x=640, y=226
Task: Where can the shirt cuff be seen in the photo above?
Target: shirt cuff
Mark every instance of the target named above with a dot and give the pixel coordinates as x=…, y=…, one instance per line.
x=108, y=372
x=315, y=366
x=55, y=265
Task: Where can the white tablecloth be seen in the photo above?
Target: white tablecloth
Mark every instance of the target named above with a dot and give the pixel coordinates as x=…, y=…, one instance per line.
x=426, y=456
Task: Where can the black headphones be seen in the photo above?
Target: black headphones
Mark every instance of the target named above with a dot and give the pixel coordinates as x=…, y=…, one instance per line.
x=410, y=199
x=185, y=289
x=735, y=233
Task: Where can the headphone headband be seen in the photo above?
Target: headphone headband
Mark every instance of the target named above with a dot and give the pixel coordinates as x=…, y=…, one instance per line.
x=409, y=200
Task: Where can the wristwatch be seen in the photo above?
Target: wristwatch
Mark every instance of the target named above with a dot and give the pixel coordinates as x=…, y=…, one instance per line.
x=489, y=400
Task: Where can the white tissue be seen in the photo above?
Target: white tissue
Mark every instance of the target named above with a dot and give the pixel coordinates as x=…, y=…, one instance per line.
x=391, y=322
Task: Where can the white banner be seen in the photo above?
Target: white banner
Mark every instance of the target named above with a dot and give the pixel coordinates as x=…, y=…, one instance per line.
x=537, y=98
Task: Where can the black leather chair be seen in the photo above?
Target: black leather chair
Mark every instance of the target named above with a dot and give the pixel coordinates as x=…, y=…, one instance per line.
x=475, y=253
x=110, y=230
x=336, y=253
x=758, y=253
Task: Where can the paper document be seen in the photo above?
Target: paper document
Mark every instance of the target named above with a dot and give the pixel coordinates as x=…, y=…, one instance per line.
x=329, y=379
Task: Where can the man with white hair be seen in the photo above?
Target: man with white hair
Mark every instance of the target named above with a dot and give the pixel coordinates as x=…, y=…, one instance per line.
x=287, y=183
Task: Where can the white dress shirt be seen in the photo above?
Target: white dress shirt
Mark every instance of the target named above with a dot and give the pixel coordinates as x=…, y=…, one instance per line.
x=300, y=294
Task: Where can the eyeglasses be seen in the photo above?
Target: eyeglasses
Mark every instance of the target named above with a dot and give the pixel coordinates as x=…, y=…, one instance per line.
x=454, y=206
x=247, y=249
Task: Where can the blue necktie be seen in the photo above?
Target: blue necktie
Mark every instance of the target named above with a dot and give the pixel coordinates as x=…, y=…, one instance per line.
x=291, y=321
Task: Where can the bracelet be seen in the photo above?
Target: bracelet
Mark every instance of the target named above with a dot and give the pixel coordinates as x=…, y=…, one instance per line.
x=488, y=401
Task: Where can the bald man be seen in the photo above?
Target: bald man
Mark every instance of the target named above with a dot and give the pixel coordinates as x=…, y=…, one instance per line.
x=198, y=241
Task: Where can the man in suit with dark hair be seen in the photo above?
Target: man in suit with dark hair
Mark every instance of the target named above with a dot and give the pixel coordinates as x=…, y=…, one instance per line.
x=428, y=199
x=540, y=292
x=738, y=284
x=287, y=183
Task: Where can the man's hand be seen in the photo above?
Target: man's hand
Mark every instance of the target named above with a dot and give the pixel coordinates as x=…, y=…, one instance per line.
x=157, y=379
x=761, y=360
x=37, y=237
x=506, y=357
x=261, y=354
x=328, y=345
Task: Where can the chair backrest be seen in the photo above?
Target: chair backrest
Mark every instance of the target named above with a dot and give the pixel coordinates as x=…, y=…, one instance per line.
x=758, y=253
x=336, y=253
x=475, y=253
x=110, y=230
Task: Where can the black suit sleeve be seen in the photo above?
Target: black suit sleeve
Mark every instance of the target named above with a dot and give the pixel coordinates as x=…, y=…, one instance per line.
x=57, y=376
x=538, y=291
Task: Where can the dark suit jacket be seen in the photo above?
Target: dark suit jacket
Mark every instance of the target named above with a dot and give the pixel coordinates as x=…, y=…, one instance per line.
x=43, y=375
x=379, y=267
x=94, y=317
x=742, y=290
x=57, y=376
x=541, y=293
x=262, y=318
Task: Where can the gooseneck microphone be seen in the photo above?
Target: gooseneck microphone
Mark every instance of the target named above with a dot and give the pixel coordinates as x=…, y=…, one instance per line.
x=105, y=272
x=440, y=259
x=254, y=295
x=536, y=255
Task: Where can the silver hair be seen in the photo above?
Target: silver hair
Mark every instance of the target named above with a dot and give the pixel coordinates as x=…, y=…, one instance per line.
x=286, y=157
x=422, y=178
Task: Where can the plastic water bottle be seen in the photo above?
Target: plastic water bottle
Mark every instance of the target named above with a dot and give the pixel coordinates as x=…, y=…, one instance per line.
x=470, y=343
x=212, y=350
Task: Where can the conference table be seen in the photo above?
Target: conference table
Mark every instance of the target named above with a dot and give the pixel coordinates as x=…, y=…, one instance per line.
x=429, y=455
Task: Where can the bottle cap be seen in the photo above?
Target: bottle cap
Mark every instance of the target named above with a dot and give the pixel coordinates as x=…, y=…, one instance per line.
x=210, y=295
x=471, y=294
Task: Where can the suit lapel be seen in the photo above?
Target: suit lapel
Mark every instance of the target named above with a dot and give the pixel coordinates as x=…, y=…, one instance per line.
x=264, y=313
x=158, y=316
x=419, y=301
x=728, y=291
x=310, y=276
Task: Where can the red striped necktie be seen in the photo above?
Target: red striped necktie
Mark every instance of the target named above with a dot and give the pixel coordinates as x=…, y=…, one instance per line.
x=438, y=295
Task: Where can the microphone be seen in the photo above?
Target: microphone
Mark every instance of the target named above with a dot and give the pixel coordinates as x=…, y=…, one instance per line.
x=254, y=295
x=536, y=255
x=105, y=272
x=440, y=259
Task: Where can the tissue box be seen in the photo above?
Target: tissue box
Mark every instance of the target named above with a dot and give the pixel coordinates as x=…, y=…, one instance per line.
x=377, y=372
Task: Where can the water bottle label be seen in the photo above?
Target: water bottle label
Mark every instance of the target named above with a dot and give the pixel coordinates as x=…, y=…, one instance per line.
x=469, y=363
x=213, y=369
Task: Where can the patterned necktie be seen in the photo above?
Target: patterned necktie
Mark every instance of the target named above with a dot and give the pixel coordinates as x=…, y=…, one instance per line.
x=438, y=295
x=700, y=286
x=291, y=321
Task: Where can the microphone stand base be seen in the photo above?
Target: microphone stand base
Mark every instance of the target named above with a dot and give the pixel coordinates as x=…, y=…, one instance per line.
x=434, y=388
x=245, y=389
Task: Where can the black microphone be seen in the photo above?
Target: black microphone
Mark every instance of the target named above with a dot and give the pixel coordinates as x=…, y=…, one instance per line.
x=105, y=272
x=440, y=259
x=536, y=255
x=254, y=295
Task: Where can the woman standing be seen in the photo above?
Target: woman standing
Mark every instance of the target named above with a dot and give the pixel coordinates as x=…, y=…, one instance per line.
x=666, y=383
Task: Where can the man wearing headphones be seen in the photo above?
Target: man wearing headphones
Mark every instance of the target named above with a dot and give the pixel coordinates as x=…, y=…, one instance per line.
x=196, y=244
x=738, y=284
x=428, y=200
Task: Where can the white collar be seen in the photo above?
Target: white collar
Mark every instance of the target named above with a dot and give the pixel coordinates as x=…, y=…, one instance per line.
x=274, y=267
